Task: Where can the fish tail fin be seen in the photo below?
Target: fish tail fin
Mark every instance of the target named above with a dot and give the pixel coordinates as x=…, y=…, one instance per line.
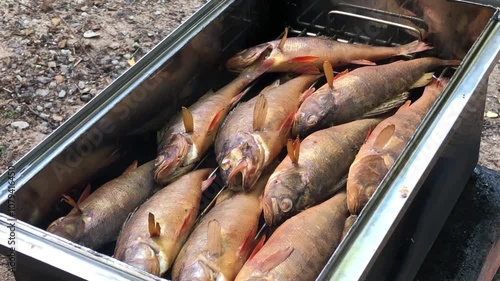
x=416, y=46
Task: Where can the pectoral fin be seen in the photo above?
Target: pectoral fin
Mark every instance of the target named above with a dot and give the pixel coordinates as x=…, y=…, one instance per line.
x=259, y=246
x=85, y=194
x=363, y=62
x=275, y=259
x=214, y=238
x=305, y=59
x=259, y=113
x=187, y=118
x=388, y=105
x=72, y=202
x=153, y=226
x=384, y=136
x=293, y=149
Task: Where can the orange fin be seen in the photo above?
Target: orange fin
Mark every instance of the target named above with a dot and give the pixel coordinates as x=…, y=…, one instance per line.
x=259, y=113
x=368, y=134
x=341, y=74
x=130, y=168
x=275, y=259
x=384, y=136
x=72, y=202
x=186, y=225
x=283, y=39
x=236, y=99
x=258, y=247
x=305, y=59
x=293, y=149
x=327, y=68
x=307, y=93
x=287, y=124
x=153, y=226
x=187, y=118
x=246, y=247
x=85, y=194
x=214, y=238
x=215, y=121
x=206, y=183
x=363, y=62
x=308, y=69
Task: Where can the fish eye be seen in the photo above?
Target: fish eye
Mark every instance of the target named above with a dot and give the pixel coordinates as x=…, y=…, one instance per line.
x=312, y=120
x=286, y=205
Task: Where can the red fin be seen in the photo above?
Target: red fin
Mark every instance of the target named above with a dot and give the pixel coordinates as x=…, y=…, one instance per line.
x=72, y=202
x=307, y=93
x=368, y=133
x=305, y=59
x=384, y=136
x=236, y=99
x=187, y=118
x=341, y=74
x=206, y=183
x=275, y=259
x=308, y=69
x=287, y=124
x=363, y=62
x=215, y=121
x=153, y=227
x=186, y=225
x=258, y=247
x=214, y=238
x=85, y=194
x=247, y=245
x=130, y=168
x=293, y=149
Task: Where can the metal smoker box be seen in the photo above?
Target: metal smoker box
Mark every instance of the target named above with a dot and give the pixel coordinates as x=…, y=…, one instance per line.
x=396, y=229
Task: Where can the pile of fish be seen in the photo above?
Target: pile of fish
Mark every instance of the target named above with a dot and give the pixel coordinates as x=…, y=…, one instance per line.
x=341, y=139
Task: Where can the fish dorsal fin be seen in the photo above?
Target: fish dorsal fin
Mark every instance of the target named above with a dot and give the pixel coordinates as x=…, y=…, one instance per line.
x=259, y=113
x=283, y=40
x=206, y=183
x=187, y=118
x=130, y=168
x=215, y=121
x=259, y=246
x=275, y=259
x=85, y=194
x=247, y=245
x=214, y=238
x=287, y=124
x=293, y=149
x=307, y=93
x=384, y=136
x=423, y=81
x=72, y=202
x=388, y=105
x=153, y=226
x=327, y=68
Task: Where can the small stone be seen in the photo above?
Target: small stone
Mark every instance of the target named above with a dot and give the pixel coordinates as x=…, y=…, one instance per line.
x=64, y=69
x=44, y=115
x=150, y=34
x=127, y=56
x=20, y=124
x=84, y=91
x=157, y=13
x=114, y=62
x=71, y=59
x=84, y=14
x=66, y=52
x=114, y=45
x=39, y=108
x=62, y=94
x=123, y=64
x=491, y=114
x=57, y=118
x=52, y=84
x=47, y=105
x=85, y=97
x=42, y=92
x=52, y=64
x=59, y=78
x=84, y=8
x=131, y=17
x=81, y=84
x=55, y=21
x=136, y=45
x=90, y=34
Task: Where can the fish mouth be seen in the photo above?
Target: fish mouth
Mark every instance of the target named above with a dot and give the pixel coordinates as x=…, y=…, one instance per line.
x=68, y=227
x=201, y=270
x=247, y=57
x=173, y=157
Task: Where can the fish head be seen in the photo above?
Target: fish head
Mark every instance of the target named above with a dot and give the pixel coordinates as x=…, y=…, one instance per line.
x=364, y=177
x=144, y=256
x=71, y=227
x=243, y=164
x=282, y=193
x=313, y=113
x=174, y=158
x=247, y=57
x=201, y=270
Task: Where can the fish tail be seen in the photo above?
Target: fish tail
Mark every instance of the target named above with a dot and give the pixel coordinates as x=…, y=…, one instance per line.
x=416, y=46
x=450, y=62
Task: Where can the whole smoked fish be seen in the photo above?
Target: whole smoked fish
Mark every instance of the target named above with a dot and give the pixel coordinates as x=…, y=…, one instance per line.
x=313, y=170
x=223, y=240
x=363, y=92
x=307, y=54
x=96, y=218
x=185, y=140
x=255, y=132
x=155, y=233
x=299, y=248
x=384, y=145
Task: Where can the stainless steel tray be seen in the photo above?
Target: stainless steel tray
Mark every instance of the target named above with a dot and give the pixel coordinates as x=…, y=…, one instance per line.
x=397, y=227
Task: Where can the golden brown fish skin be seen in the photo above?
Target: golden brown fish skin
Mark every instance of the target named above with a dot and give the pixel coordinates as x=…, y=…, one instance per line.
x=179, y=151
x=293, y=188
x=360, y=91
x=307, y=54
x=105, y=210
x=312, y=236
x=242, y=152
x=175, y=208
x=372, y=162
x=238, y=215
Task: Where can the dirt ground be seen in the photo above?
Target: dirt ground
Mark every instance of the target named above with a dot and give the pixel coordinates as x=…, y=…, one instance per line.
x=57, y=55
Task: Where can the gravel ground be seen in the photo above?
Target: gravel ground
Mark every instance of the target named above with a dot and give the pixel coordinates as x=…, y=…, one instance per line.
x=57, y=55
